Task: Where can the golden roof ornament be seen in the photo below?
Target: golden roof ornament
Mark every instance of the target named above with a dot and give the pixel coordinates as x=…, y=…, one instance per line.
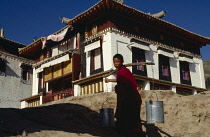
x=2, y=33
x=159, y=14
x=65, y=20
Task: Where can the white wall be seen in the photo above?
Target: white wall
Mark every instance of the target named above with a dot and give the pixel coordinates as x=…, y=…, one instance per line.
x=35, y=82
x=24, y=104
x=197, y=73
x=175, y=70
x=120, y=45
x=88, y=64
x=202, y=78
x=173, y=88
x=12, y=87
x=114, y=43
x=107, y=48
x=107, y=51
x=152, y=56
x=77, y=89
x=194, y=74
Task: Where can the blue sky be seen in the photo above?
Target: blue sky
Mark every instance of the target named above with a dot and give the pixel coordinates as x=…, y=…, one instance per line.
x=23, y=20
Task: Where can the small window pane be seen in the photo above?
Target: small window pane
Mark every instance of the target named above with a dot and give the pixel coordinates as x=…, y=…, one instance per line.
x=97, y=59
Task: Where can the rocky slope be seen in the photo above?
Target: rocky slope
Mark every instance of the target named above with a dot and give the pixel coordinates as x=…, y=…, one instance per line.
x=184, y=116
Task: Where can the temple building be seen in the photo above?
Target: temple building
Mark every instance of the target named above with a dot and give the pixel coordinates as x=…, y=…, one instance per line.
x=15, y=73
x=75, y=60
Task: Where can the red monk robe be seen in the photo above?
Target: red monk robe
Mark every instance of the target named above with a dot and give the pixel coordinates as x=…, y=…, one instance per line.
x=128, y=103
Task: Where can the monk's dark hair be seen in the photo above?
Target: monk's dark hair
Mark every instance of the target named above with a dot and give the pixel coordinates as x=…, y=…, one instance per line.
x=119, y=56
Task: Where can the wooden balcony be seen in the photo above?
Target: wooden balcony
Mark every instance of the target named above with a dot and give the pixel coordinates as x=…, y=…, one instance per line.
x=57, y=95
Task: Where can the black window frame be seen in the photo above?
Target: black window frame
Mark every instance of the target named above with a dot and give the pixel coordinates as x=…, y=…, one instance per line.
x=139, y=54
x=164, y=62
x=2, y=67
x=92, y=62
x=184, y=67
x=25, y=72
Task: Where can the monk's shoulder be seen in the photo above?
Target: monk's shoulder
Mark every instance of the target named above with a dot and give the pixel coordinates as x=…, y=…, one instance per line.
x=124, y=70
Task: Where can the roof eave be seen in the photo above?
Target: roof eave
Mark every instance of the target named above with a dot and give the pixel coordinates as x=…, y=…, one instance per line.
x=22, y=50
x=13, y=41
x=81, y=18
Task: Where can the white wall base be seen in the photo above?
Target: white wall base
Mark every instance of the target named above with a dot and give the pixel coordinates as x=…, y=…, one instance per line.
x=173, y=88
x=24, y=104
x=147, y=85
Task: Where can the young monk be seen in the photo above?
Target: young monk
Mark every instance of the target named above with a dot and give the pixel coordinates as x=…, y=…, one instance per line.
x=128, y=101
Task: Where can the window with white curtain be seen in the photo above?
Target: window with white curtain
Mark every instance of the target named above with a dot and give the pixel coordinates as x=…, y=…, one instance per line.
x=95, y=59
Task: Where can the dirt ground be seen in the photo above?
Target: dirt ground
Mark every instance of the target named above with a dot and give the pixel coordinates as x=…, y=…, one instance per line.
x=184, y=116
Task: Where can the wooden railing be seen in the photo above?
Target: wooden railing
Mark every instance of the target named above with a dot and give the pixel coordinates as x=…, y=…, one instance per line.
x=92, y=88
x=57, y=95
x=34, y=103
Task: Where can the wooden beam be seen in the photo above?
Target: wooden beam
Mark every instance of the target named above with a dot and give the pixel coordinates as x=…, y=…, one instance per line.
x=127, y=65
x=139, y=63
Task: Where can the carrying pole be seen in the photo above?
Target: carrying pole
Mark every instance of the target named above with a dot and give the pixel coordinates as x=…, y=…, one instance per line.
x=128, y=65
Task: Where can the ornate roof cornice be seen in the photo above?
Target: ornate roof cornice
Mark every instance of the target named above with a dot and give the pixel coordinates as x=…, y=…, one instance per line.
x=38, y=64
x=146, y=40
x=105, y=6
x=6, y=55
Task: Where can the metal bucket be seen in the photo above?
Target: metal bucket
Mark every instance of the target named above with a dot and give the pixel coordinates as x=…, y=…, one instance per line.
x=154, y=112
x=107, y=117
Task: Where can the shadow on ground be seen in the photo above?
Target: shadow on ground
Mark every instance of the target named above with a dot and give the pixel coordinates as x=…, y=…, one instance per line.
x=154, y=131
x=67, y=117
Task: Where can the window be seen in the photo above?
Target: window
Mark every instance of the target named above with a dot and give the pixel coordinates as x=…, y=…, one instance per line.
x=2, y=66
x=25, y=75
x=139, y=59
x=49, y=53
x=54, y=50
x=164, y=68
x=25, y=71
x=185, y=73
x=139, y=56
x=40, y=82
x=93, y=49
x=62, y=47
x=46, y=53
x=96, y=63
x=96, y=59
